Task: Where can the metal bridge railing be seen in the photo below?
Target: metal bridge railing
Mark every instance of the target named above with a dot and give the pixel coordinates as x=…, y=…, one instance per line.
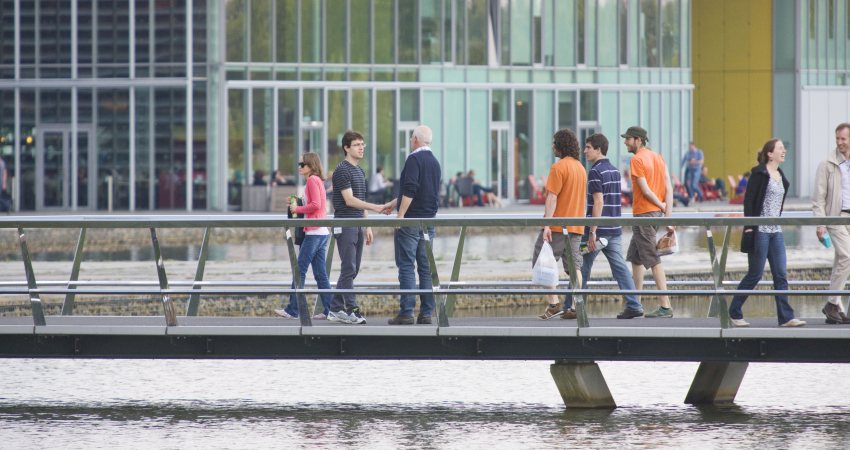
x=445, y=291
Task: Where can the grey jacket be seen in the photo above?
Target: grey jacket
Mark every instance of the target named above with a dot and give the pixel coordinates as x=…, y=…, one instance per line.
x=827, y=198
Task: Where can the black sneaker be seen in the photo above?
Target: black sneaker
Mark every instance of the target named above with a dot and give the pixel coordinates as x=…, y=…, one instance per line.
x=629, y=313
x=355, y=317
x=424, y=320
x=401, y=320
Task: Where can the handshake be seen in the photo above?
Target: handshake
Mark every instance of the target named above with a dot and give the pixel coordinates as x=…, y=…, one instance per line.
x=386, y=208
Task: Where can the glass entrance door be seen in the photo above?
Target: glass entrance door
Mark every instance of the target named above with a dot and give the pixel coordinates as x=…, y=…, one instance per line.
x=405, y=131
x=57, y=184
x=500, y=167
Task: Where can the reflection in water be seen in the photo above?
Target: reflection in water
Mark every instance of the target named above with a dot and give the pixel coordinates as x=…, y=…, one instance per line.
x=392, y=404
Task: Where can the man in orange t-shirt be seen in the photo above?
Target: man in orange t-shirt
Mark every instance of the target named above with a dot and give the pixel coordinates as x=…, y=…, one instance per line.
x=566, y=189
x=652, y=197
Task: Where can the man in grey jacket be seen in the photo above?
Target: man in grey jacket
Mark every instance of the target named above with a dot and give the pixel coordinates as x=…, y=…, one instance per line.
x=832, y=198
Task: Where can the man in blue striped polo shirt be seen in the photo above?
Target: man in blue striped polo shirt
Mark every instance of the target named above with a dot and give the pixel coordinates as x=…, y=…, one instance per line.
x=603, y=200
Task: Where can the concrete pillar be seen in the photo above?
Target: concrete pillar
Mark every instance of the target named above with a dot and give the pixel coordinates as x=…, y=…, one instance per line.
x=582, y=385
x=716, y=382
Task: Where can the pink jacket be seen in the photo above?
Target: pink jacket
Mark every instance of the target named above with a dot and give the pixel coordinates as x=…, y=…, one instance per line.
x=315, y=201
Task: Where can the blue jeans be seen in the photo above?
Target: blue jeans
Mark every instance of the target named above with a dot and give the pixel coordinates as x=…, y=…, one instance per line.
x=312, y=252
x=409, y=252
x=692, y=182
x=619, y=270
x=769, y=247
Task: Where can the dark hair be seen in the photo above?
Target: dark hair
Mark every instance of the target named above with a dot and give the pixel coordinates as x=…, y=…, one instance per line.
x=598, y=141
x=349, y=137
x=313, y=161
x=565, y=143
x=841, y=126
x=766, y=150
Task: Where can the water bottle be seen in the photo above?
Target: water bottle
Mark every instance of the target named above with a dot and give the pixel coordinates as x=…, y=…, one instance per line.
x=600, y=244
x=826, y=241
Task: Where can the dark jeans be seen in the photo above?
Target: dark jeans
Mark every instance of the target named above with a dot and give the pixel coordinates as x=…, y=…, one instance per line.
x=349, y=245
x=410, y=252
x=768, y=247
x=619, y=271
x=312, y=253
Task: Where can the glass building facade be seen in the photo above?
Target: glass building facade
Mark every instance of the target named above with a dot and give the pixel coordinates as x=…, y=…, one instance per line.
x=149, y=105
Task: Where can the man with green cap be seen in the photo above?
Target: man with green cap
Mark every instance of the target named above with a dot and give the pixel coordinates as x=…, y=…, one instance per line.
x=652, y=197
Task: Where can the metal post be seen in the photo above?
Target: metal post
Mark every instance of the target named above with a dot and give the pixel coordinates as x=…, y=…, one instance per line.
x=195, y=299
x=303, y=312
x=449, y=300
x=68, y=305
x=167, y=305
x=718, y=306
x=578, y=300
x=442, y=319
x=35, y=300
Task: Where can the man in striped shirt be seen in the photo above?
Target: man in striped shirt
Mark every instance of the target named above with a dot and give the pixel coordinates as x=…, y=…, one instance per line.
x=603, y=200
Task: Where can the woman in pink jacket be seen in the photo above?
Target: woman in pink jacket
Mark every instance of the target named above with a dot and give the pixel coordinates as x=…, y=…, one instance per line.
x=315, y=246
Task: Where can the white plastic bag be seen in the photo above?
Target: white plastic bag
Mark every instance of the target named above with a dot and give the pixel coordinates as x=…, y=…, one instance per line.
x=668, y=244
x=545, y=270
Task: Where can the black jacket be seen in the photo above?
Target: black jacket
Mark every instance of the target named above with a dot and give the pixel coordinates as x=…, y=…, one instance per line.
x=754, y=201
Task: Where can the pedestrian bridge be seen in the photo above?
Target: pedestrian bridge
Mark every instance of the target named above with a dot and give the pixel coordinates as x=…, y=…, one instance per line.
x=724, y=351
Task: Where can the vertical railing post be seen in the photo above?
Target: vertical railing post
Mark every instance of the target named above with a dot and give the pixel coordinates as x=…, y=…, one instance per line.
x=70, y=297
x=578, y=299
x=195, y=299
x=442, y=320
x=448, y=300
x=718, y=306
x=303, y=312
x=35, y=300
x=167, y=305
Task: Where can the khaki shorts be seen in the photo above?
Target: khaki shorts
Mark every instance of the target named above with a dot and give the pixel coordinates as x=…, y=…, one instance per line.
x=560, y=249
x=642, y=247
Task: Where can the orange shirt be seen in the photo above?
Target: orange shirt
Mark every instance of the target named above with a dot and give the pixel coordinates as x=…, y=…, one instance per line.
x=568, y=180
x=651, y=166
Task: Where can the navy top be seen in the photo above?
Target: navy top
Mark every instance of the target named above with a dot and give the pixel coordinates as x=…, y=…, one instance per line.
x=420, y=180
x=605, y=178
x=348, y=176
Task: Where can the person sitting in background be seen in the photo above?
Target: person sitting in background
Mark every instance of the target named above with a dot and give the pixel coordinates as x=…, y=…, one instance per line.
x=483, y=194
x=378, y=186
x=741, y=189
x=279, y=180
x=259, y=178
x=626, y=184
x=714, y=184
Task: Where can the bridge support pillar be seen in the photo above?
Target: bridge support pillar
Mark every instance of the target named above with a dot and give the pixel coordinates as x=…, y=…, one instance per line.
x=582, y=385
x=716, y=382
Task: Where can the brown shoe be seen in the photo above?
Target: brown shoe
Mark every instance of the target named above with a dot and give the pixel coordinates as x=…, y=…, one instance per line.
x=832, y=313
x=844, y=318
x=552, y=311
x=569, y=314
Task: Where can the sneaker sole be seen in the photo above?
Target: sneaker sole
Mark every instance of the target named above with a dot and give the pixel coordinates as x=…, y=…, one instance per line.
x=553, y=316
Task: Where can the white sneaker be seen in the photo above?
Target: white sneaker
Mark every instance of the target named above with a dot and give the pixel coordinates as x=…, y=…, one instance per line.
x=793, y=323
x=339, y=316
x=284, y=314
x=320, y=316
x=739, y=322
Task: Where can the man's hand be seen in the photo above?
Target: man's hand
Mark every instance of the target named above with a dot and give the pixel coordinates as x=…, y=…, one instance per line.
x=591, y=242
x=369, y=236
x=821, y=230
x=388, y=206
x=671, y=228
x=547, y=234
x=663, y=206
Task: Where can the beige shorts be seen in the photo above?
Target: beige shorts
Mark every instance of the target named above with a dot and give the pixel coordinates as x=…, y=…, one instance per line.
x=642, y=247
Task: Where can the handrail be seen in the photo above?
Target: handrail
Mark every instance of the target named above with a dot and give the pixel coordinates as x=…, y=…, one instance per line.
x=445, y=290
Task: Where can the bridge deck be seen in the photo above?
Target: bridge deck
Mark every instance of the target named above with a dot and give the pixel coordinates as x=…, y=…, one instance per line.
x=678, y=339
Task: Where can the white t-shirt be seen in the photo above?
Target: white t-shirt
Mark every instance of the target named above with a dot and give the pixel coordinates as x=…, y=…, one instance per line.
x=377, y=183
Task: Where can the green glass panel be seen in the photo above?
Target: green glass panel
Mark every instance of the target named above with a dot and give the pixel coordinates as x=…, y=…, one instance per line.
x=408, y=20
x=501, y=108
x=606, y=41
x=384, y=32
x=522, y=148
x=286, y=29
x=337, y=125
x=385, y=127
x=503, y=33
x=566, y=111
x=360, y=32
x=565, y=40
x=479, y=129
x=671, y=34
x=361, y=120
x=261, y=128
x=609, y=118
x=432, y=116
x=431, y=18
x=409, y=107
x=460, y=32
x=311, y=31
x=261, y=31
x=476, y=11
x=336, y=26
x=236, y=30
x=431, y=74
x=236, y=143
x=520, y=35
x=544, y=128
x=649, y=55
x=455, y=141
x=287, y=133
